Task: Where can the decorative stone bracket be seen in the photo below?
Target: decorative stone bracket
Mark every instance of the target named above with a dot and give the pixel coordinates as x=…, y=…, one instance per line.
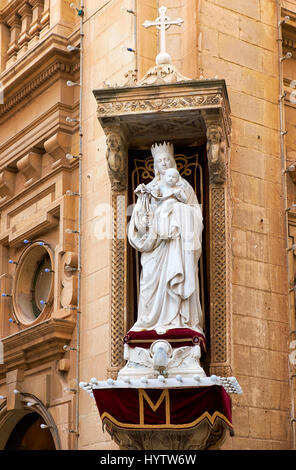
x=116, y=158
x=57, y=147
x=30, y=167
x=69, y=265
x=184, y=112
x=7, y=181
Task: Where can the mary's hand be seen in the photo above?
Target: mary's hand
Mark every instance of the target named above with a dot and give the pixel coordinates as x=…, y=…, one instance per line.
x=141, y=189
x=143, y=221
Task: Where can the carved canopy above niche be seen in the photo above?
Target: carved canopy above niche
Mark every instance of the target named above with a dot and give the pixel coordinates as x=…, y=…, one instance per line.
x=186, y=113
x=177, y=111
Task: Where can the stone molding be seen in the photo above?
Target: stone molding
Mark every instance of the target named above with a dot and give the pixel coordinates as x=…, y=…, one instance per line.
x=9, y=420
x=46, y=221
x=157, y=105
x=206, y=98
x=289, y=30
x=118, y=293
x=36, y=345
x=37, y=82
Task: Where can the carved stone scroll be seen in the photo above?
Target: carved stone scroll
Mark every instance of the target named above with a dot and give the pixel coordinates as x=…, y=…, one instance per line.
x=57, y=147
x=7, y=187
x=30, y=167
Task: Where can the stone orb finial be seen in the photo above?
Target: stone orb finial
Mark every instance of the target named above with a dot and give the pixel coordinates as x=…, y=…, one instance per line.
x=163, y=58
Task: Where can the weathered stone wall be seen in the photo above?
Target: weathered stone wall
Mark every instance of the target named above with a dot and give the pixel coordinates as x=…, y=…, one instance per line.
x=240, y=45
x=108, y=33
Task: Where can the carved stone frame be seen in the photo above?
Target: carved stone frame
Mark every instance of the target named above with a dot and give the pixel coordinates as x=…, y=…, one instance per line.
x=189, y=112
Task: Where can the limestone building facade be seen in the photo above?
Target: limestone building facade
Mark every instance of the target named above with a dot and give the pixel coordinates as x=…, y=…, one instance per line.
x=66, y=297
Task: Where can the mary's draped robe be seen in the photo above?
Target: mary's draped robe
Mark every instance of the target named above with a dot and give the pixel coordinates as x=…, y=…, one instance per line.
x=169, y=284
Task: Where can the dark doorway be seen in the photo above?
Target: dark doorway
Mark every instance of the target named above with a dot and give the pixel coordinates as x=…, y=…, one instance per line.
x=27, y=435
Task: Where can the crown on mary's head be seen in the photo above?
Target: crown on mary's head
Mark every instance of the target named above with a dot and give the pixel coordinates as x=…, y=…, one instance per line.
x=160, y=149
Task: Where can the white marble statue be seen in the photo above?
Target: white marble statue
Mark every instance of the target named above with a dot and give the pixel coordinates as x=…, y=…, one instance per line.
x=166, y=227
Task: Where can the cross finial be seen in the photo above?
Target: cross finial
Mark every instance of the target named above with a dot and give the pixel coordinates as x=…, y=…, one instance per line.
x=163, y=23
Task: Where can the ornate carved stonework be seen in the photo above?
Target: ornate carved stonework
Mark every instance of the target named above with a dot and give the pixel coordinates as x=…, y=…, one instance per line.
x=40, y=343
x=118, y=282
x=117, y=159
x=203, y=437
x=161, y=74
x=216, y=154
x=218, y=269
x=168, y=128
x=27, y=90
x=159, y=104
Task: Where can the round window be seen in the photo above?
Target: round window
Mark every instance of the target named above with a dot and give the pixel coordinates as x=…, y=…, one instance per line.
x=33, y=284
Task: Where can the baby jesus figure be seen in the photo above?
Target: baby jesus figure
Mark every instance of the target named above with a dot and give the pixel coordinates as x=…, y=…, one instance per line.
x=170, y=187
x=162, y=199
x=168, y=192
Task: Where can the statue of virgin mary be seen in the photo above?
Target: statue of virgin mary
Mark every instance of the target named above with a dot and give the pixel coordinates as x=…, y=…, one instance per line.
x=166, y=227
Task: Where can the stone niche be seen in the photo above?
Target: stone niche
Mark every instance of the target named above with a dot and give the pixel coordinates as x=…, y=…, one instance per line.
x=165, y=106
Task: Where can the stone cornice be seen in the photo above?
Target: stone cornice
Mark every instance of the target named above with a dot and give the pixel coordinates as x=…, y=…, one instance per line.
x=51, y=44
x=37, y=344
x=292, y=15
x=37, y=82
x=10, y=8
x=39, y=130
x=192, y=98
x=37, y=67
x=289, y=30
x=38, y=183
